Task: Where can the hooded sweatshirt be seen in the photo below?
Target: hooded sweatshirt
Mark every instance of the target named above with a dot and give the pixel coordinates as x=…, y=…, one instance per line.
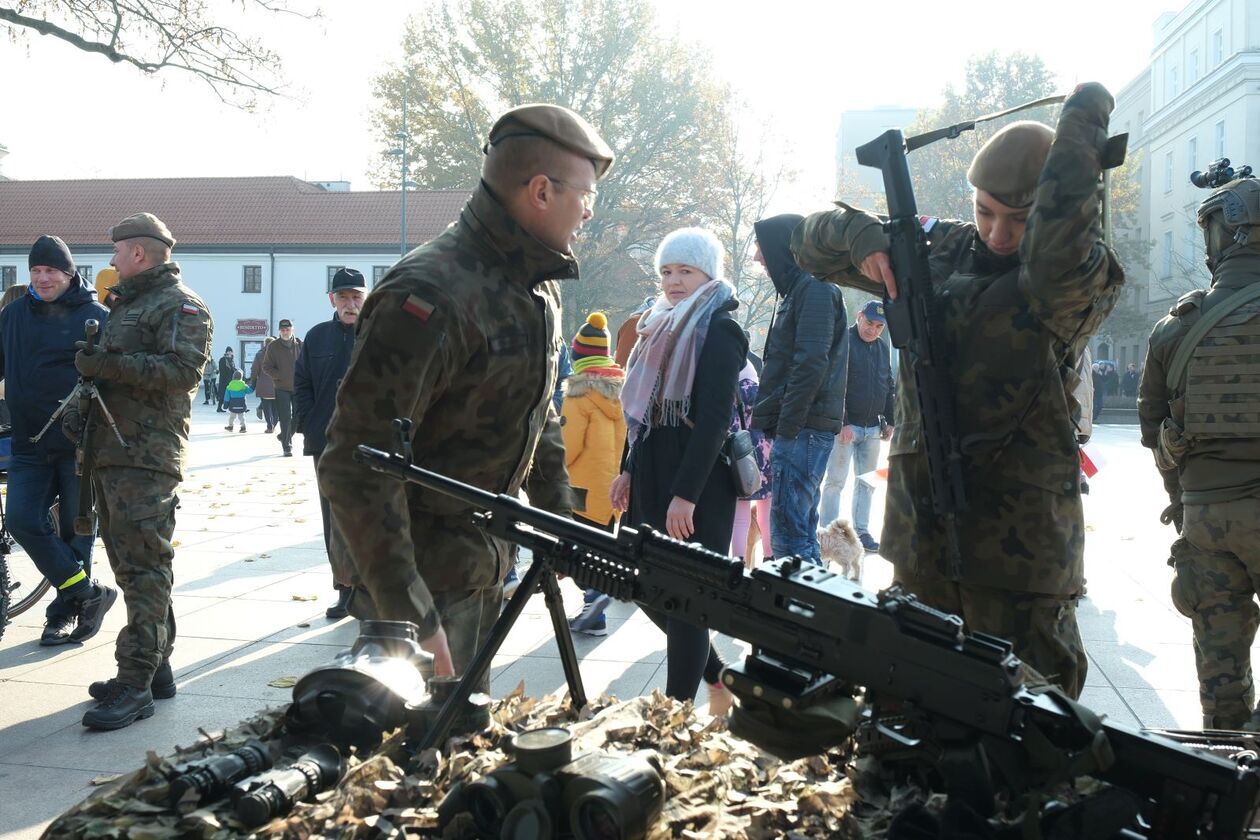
x=37, y=361
x=806, y=354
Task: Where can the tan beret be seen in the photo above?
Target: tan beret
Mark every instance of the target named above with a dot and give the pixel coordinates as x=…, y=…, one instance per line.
x=559, y=125
x=1008, y=166
x=142, y=224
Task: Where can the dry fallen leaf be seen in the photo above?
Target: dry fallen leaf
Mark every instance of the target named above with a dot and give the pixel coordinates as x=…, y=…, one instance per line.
x=305, y=597
x=283, y=682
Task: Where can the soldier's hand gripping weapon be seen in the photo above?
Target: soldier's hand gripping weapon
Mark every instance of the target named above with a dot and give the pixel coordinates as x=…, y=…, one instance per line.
x=84, y=396
x=964, y=706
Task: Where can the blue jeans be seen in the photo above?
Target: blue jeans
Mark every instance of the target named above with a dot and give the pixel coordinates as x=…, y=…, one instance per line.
x=863, y=452
x=59, y=554
x=796, y=472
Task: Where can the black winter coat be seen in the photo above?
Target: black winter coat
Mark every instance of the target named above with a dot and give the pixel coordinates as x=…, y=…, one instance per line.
x=871, y=389
x=321, y=363
x=803, y=380
x=681, y=461
x=37, y=362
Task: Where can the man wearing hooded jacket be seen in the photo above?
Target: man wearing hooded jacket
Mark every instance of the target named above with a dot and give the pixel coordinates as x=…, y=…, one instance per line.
x=37, y=336
x=801, y=399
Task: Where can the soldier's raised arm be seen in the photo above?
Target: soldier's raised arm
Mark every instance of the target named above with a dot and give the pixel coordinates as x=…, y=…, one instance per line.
x=1071, y=279
x=833, y=244
x=404, y=354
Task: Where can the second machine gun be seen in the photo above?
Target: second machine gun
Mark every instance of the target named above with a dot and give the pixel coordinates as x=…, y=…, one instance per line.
x=816, y=635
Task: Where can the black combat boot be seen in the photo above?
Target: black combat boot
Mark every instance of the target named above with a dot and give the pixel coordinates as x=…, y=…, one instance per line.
x=122, y=706
x=341, y=609
x=57, y=630
x=162, y=687
x=92, y=611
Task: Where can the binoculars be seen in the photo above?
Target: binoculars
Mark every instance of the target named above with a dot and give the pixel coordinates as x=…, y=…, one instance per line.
x=545, y=792
x=260, y=799
x=211, y=778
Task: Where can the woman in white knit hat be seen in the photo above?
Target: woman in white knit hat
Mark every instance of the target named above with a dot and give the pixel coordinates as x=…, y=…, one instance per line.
x=679, y=395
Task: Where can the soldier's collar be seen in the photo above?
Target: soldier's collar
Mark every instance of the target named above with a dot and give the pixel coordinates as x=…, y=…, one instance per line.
x=486, y=216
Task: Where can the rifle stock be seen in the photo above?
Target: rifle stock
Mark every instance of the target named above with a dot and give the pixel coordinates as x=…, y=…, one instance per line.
x=812, y=631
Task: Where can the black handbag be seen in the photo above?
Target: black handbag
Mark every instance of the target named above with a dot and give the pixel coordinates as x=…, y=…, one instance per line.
x=738, y=454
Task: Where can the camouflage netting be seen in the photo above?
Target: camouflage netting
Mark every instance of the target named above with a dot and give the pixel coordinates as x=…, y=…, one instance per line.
x=717, y=785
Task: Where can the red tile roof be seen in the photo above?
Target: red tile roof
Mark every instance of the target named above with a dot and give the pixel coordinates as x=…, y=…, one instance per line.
x=220, y=212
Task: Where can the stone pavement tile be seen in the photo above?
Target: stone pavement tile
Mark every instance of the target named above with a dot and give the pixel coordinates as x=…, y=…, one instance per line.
x=247, y=672
x=191, y=654
x=29, y=714
x=530, y=633
x=1107, y=701
x=1157, y=666
x=546, y=676
x=265, y=540
x=1166, y=708
x=1132, y=621
x=177, y=720
x=305, y=584
x=22, y=653
x=337, y=635
x=33, y=796
x=249, y=620
x=226, y=580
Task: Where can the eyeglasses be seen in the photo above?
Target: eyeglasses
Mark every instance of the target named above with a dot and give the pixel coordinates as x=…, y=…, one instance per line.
x=588, y=195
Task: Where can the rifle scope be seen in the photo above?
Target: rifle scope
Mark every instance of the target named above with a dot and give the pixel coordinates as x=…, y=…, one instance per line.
x=212, y=777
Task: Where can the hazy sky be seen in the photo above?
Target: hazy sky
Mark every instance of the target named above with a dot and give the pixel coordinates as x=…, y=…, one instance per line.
x=65, y=114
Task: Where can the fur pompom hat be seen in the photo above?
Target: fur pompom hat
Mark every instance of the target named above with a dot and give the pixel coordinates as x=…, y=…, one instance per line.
x=692, y=246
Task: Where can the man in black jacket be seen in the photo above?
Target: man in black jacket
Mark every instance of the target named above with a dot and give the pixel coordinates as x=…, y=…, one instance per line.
x=868, y=419
x=322, y=361
x=37, y=336
x=227, y=369
x=801, y=399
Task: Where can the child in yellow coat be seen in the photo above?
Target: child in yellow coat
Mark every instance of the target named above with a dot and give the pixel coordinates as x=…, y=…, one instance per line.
x=594, y=429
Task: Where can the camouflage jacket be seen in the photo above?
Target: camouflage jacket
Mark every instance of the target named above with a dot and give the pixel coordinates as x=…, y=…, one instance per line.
x=161, y=331
x=461, y=336
x=1013, y=329
x=1209, y=469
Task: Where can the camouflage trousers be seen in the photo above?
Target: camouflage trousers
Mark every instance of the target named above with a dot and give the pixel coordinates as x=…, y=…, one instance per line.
x=1041, y=628
x=137, y=517
x=467, y=618
x=1217, y=561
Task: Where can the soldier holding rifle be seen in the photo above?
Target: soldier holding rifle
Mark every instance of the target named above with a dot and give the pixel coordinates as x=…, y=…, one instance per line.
x=147, y=368
x=1018, y=293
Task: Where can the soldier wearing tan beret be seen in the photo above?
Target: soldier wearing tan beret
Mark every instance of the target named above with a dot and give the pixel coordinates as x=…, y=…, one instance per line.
x=461, y=336
x=1021, y=289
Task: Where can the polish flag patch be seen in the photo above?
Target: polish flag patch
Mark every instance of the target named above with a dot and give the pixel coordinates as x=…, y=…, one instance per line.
x=927, y=223
x=417, y=307
x=189, y=309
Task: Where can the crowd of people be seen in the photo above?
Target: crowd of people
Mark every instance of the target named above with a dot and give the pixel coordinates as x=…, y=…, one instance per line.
x=462, y=338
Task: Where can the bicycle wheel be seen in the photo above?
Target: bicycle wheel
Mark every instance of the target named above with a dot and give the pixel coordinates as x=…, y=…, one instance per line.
x=26, y=585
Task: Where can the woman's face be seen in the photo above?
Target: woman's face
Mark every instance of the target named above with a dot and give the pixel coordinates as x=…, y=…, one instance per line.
x=680, y=281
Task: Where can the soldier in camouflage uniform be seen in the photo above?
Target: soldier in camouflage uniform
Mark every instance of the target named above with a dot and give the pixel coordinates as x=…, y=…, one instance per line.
x=147, y=367
x=461, y=336
x=1018, y=305
x=1199, y=405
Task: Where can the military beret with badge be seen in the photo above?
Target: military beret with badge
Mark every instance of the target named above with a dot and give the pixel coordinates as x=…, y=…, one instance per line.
x=142, y=225
x=557, y=124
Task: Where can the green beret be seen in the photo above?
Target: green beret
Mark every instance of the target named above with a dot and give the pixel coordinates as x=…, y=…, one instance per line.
x=558, y=124
x=1009, y=165
x=142, y=224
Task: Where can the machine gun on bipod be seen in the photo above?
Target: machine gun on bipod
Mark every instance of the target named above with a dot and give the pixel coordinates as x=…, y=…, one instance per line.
x=818, y=638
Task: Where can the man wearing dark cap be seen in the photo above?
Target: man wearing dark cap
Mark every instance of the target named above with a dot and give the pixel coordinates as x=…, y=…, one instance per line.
x=461, y=337
x=279, y=362
x=37, y=336
x=1021, y=291
x=147, y=367
x=322, y=362
x=868, y=419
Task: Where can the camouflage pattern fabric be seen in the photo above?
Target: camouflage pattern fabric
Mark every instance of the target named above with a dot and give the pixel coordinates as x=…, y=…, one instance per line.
x=1041, y=629
x=137, y=517
x=467, y=618
x=1218, y=576
x=158, y=340
x=461, y=336
x=1013, y=329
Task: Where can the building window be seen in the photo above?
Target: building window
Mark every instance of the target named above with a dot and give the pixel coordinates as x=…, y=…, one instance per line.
x=1168, y=172
x=1192, y=151
x=8, y=276
x=1220, y=139
x=1168, y=254
x=1173, y=89
x=332, y=272
x=86, y=272
x=1218, y=47
x=1192, y=243
x=378, y=273
x=252, y=283
x=1192, y=69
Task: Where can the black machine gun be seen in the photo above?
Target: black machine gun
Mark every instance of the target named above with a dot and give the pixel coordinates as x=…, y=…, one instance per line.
x=817, y=636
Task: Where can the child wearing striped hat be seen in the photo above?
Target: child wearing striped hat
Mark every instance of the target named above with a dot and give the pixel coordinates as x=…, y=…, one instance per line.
x=594, y=430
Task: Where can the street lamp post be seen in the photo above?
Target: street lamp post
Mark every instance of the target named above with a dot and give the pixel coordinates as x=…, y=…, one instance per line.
x=400, y=151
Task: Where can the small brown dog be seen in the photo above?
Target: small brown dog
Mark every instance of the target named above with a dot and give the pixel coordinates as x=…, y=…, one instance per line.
x=838, y=543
